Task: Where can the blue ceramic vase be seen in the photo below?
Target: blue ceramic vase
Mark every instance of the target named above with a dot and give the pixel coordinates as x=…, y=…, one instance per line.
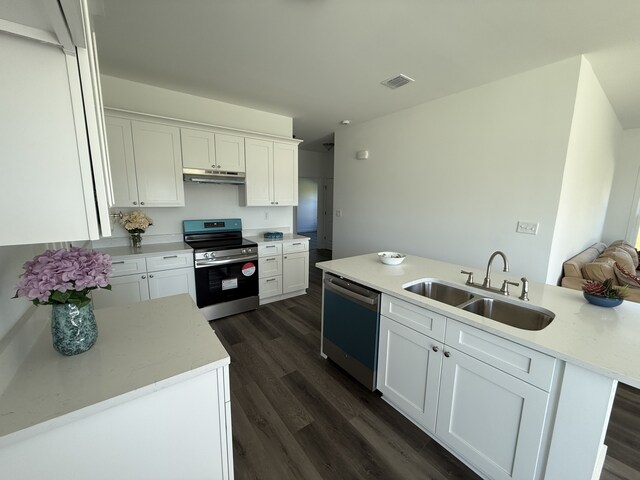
x=74, y=329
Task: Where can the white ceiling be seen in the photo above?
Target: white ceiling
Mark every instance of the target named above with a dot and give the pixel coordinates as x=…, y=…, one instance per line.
x=321, y=61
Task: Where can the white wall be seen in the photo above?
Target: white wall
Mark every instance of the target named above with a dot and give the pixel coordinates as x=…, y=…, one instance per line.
x=449, y=179
x=623, y=205
x=143, y=98
x=588, y=173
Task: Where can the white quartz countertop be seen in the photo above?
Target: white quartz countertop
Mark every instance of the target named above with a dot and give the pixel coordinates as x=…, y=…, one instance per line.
x=604, y=340
x=147, y=249
x=260, y=240
x=141, y=348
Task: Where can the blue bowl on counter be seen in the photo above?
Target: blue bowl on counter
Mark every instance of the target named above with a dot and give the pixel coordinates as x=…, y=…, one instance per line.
x=602, y=301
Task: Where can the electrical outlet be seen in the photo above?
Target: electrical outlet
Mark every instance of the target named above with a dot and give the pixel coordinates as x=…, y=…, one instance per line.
x=266, y=215
x=530, y=228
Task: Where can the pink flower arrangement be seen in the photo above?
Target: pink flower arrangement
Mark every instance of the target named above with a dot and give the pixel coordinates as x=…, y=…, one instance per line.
x=64, y=276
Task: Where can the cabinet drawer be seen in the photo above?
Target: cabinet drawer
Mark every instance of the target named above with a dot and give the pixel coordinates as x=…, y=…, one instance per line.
x=269, y=249
x=270, y=266
x=522, y=362
x=270, y=286
x=169, y=261
x=127, y=266
x=295, y=246
x=418, y=318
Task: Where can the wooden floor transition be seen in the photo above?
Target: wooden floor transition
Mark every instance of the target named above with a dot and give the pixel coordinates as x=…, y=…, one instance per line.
x=298, y=416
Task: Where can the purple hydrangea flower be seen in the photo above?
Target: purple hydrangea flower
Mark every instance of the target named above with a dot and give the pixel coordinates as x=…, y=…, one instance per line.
x=64, y=276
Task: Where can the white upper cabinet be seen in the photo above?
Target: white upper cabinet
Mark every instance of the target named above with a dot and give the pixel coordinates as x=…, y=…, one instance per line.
x=48, y=183
x=206, y=150
x=272, y=173
x=123, y=168
x=285, y=174
x=158, y=159
x=198, y=149
x=146, y=163
x=230, y=153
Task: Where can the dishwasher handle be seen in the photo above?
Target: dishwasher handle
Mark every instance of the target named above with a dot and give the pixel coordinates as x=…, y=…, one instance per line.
x=358, y=293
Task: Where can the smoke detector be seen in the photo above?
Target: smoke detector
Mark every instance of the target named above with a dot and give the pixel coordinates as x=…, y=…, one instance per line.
x=397, y=81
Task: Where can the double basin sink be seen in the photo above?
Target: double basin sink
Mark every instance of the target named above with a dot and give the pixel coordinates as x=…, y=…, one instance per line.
x=507, y=312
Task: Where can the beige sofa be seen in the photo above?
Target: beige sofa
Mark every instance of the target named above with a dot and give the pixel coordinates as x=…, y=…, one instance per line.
x=618, y=261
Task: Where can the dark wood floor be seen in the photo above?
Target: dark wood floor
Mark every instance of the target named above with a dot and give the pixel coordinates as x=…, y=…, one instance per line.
x=298, y=416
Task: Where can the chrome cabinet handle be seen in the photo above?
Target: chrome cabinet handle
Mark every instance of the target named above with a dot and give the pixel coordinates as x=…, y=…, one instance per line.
x=434, y=348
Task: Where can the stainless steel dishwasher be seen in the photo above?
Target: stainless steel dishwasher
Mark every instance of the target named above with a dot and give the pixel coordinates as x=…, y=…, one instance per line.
x=350, y=327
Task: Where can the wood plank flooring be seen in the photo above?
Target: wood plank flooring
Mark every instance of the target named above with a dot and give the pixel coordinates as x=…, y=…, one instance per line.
x=298, y=416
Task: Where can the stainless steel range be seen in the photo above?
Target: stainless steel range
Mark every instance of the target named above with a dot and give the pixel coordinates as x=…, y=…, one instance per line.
x=226, y=266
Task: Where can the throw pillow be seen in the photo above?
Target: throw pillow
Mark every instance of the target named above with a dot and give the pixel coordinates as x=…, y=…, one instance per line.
x=630, y=249
x=600, y=269
x=621, y=256
x=625, y=277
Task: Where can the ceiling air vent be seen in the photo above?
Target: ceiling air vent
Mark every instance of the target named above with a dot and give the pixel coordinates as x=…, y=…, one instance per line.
x=397, y=82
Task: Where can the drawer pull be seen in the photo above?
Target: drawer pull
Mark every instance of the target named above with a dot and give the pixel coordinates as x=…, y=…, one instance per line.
x=270, y=280
x=170, y=256
x=120, y=262
x=297, y=243
x=269, y=259
x=270, y=246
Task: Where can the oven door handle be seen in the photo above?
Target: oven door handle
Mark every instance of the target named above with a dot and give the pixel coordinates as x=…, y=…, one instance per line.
x=225, y=261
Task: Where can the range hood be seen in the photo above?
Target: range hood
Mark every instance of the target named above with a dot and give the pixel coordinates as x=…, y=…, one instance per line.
x=212, y=176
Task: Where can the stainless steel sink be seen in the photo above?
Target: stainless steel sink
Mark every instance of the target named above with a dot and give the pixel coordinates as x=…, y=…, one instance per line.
x=526, y=318
x=440, y=292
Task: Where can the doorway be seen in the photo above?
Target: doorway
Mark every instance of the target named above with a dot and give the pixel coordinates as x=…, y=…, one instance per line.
x=307, y=211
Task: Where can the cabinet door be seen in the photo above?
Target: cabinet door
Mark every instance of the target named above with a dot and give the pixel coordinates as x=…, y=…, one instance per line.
x=285, y=174
x=230, y=153
x=121, y=161
x=125, y=290
x=259, y=180
x=158, y=164
x=409, y=371
x=295, y=272
x=198, y=149
x=490, y=418
x=172, y=282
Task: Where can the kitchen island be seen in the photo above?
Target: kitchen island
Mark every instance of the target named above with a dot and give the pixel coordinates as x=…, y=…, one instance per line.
x=151, y=399
x=511, y=403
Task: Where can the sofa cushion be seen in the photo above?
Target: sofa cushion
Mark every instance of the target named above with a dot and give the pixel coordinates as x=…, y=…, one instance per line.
x=600, y=269
x=573, y=266
x=621, y=256
x=625, y=277
x=630, y=249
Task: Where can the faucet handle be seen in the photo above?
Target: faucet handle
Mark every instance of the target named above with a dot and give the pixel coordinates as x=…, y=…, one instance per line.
x=469, y=278
x=525, y=289
x=505, y=286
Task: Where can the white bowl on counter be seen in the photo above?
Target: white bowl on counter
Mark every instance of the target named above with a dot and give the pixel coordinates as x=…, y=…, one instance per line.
x=391, y=258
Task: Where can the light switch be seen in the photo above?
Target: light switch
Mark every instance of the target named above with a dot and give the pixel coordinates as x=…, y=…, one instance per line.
x=530, y=228
x=338, y=213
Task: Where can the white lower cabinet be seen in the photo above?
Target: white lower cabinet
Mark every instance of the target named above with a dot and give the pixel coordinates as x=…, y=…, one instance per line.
x=492, y=419
x=486, y=399
x=283, y=267
x=143, y=278
x=409, y=371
